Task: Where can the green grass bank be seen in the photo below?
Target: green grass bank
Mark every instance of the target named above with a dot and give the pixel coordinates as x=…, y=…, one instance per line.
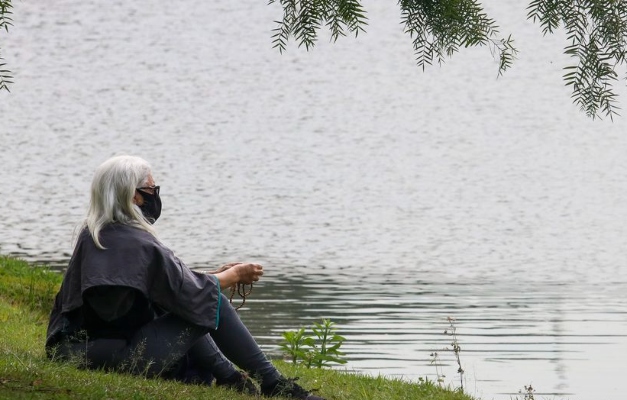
x=26, y=296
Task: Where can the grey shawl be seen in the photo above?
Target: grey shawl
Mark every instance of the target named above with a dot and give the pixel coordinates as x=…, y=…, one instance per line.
x=133, y=258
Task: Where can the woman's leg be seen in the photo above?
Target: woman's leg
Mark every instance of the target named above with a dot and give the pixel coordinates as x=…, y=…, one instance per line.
x=161, y=344
x=158, y=348
x=238, y=345
x=93, y=354
x=236, y=342
x=206, y=356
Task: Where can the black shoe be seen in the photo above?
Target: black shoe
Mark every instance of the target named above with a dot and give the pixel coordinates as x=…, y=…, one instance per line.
x=288, y=388
x=239, y=382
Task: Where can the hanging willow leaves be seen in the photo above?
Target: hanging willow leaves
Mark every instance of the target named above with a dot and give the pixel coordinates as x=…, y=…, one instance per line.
x=596, y=36
x=5, y=21
x=303, y=18
x=597, y=39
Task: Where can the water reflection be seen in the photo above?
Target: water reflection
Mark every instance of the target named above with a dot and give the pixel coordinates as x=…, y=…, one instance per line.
x=393, y=325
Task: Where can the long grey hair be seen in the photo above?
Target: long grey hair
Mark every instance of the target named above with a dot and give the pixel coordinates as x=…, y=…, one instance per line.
x=112, y=191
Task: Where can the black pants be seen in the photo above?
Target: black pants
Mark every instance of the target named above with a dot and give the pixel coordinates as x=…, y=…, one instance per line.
x=173, y=348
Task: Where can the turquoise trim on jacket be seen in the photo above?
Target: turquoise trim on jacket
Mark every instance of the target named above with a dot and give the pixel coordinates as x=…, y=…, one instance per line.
x=219, y=301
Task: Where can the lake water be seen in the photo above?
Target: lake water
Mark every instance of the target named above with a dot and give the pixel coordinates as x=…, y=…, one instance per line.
x=383, y=197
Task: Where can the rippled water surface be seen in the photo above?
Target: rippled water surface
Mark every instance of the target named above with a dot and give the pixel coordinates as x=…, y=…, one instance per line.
x=383, y=197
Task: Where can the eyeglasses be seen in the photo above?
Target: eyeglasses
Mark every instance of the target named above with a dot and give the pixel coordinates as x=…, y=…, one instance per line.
x=150, y=189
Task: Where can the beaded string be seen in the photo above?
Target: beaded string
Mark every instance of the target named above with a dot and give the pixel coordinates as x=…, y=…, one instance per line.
x=240, y=288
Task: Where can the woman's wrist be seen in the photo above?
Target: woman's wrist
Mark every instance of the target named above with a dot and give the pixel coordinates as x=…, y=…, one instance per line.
x=228, y=278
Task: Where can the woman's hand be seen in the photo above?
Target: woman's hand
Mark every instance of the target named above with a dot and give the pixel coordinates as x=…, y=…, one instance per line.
x=234, y=273
x=248, y=273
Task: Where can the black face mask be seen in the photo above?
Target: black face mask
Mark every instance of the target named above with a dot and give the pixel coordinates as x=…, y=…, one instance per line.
x=151, y=207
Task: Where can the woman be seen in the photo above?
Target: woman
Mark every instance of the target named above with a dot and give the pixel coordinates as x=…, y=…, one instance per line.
x=127, y=303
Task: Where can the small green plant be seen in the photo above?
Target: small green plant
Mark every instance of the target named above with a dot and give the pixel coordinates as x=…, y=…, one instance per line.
x=294, y=344
x=317, y=350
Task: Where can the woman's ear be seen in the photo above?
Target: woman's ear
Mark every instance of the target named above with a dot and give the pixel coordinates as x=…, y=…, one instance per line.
x=138, y=199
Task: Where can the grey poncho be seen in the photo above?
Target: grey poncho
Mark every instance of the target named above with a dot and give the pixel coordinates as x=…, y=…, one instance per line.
x=135, y=259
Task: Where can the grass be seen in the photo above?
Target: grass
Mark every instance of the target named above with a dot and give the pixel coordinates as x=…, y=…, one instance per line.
x=26, y=296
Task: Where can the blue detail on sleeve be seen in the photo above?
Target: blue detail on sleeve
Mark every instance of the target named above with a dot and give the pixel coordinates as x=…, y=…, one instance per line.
x=219, y=301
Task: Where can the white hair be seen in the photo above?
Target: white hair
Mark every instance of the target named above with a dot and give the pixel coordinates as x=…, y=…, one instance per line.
x=112, y=191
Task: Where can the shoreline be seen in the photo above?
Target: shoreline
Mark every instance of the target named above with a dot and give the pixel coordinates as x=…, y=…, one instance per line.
x=26, y=296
